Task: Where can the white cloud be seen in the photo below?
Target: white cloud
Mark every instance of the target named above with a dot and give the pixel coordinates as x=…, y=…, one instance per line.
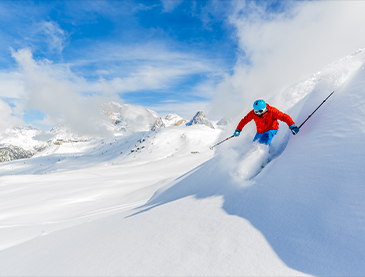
x=140, y=7
x=205, y=89
x=170, y=5
x=108, y=70
x=146, y=67
x=56, y=37
x=155, y=77
x=54, y=93
x=281, y=49
x=7, y=119
x=11, y=85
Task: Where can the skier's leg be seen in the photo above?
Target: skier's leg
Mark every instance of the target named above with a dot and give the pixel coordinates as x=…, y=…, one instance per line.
x=267, y=137
x=257, y=137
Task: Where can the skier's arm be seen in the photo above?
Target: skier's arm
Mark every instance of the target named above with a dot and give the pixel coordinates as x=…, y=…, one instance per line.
x=245, y=120
x=242, y=123
x=283, y=117
x=288, y=120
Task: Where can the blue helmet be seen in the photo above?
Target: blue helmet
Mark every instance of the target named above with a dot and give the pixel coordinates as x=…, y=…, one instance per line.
x=259, y=105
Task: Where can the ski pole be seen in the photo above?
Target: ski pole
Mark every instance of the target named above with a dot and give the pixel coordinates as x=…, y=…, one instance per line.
x=316, y=109
x=211, y=148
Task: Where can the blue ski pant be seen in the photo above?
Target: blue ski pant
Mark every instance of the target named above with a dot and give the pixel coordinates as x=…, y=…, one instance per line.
x=266, y=137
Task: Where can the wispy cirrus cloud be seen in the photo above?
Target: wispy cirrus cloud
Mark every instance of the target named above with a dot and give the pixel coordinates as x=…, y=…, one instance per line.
x=169, y=6
x=144, y=68
x=54, y=35
x=26, y=24
x=129, y=69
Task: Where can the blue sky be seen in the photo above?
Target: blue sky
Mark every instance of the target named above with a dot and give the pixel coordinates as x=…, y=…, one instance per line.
x=151, y=53
x=59, y=58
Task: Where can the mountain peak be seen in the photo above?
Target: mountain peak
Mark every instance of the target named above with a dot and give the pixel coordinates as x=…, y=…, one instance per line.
x=200, y=118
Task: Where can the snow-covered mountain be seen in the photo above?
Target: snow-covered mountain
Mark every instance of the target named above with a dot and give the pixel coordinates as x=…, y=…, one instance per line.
x=173, y=120
x=10, y=152
x=158, y=124
x=20, y=142
x=200, y=118
x=130, y=118
x=22, y=136
x=125, y=119
x=60, y=132
x=161, y=203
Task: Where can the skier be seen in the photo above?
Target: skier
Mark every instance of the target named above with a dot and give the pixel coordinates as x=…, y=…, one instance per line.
x=266, y=119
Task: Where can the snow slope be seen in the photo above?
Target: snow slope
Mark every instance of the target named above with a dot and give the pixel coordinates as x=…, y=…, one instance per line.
x=75, y=182
x=178, y=212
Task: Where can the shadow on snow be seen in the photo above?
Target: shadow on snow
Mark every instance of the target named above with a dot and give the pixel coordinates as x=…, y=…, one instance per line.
x=291, y=225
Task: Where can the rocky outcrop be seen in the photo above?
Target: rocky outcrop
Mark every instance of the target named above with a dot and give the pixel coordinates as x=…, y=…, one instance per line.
x=173, y=120
x=180, y=122
x=200, y=118
x=158, y=124
x=11, y=152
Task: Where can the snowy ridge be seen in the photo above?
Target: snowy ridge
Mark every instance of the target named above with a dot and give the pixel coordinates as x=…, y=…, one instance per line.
x=125, y=119
x=173, y=120
x=60, y=132
x=162, y=203
x=199, y=118
x=137, y=148
x=331, y=78
x=130, y=118
x=23, y=137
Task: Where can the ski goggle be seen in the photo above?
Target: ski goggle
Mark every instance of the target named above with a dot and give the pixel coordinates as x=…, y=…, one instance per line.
x=259, y=112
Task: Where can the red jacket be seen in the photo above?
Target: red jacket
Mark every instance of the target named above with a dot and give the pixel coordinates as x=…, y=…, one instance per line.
x=266, y=122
